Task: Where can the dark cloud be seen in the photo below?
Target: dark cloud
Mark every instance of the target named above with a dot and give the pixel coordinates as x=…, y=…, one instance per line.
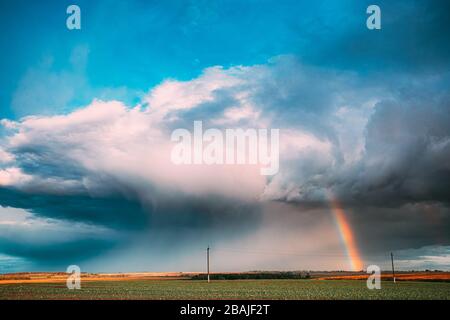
x=383, y=229
x=123, y=214
x=402, y=156
x=161, y=223
x=412, y=38
x=114, y=211
x=58, y=255
x=406, y=152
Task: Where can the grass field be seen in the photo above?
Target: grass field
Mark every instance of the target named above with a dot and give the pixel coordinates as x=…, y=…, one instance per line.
x=226, y=289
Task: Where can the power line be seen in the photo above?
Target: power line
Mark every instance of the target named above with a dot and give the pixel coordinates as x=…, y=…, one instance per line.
x=292, y=253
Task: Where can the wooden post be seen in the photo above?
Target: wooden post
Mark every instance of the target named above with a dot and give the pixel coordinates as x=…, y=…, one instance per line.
x=393, y=270
x=207, y=262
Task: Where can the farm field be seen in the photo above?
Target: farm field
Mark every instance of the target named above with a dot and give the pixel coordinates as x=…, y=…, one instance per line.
x=227, y=289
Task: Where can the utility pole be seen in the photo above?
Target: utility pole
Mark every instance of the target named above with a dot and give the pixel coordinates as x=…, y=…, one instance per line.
x=207, y=262
x=393, y=270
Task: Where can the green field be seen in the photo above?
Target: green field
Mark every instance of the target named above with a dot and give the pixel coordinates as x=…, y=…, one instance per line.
x=225, y=289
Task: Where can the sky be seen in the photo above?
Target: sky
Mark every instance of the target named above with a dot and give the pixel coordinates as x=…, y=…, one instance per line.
x=86, y=117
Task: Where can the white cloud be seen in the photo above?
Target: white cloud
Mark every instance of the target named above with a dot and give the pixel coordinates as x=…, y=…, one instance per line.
x=13, y=177
x=173, y=95
x=327, y=138
x=108, y=138
x=23, y=226
x=429, y=257
x=5, y=157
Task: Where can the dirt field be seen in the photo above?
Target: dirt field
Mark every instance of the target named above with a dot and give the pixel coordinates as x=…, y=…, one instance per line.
x=402, y=276
x=58, y=277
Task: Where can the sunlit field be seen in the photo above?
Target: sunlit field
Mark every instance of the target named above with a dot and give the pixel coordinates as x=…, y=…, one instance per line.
x=228, y=289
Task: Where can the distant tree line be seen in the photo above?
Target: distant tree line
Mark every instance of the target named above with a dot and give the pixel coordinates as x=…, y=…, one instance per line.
x=253, y=275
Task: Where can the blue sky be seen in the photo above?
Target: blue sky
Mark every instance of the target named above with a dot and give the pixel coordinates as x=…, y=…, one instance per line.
x=356, y=105
x=138, y=44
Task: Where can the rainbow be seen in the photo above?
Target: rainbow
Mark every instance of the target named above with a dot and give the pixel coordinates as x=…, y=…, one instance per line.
x=346, y=234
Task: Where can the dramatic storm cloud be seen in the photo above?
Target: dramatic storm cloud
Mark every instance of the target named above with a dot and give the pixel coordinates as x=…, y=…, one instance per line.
x=86, y=175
